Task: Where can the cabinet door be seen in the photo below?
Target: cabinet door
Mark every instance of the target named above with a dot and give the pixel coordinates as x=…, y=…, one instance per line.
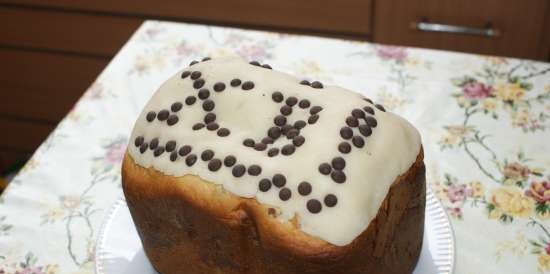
x=499, y=27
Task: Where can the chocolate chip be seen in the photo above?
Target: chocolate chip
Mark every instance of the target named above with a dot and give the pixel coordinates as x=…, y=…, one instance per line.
x=196, y=75
x=264, y=185
x=255, y=63
x=315, y=110
x=316, y=84
x=198, y=126
x=143, y=147
x=204, y=93
x=208, y=105
x=222, y=132
x=314, y=206
x=199, y=83
x=219, y=87
x=266, y=66
x=154, y=143
x=248, y=142
x=193, y=62
x=235, y=82
x=151, y=115
x=247, y=85
x=209, y=118
x=184, y=150
x=304, y=82
x=274, y=132
x=300, y=124
x=277, y=96
x=267, y=140
x=291, y=101
x=304, y=103
x=163, y=115
x=214, y=164
x=331, y=200
x=190, y=100
x=325, y=168
x=260, y=146
x=365, y=130
x=368, y=100
x=158, y=151
x=338, y=176
x=272, y=152
x=212, y=126
x=206, y=59
x=304, y=188
x=313, y=119
x=207, y=155
x=139, y=140
x=170, y=145
x=286, y=110
x=357, y=113
x=371, y=121
x=254, y=170
x=344, y=147
x=288, y=149
x=286, y=128
x=298, y=140
x=279, y=180
x=346, y=132
x=238, y=170
x=176, y=106
x=173, y=156
x=190, y=159
x=368, y=110
x=352, y=121
x=380, y=107
x=172, y=120
x=279, y=120
x=285, y=194
x=338, y=163
x=292, y=133
x=185, y=74
x=229, y=161
x=358, y=141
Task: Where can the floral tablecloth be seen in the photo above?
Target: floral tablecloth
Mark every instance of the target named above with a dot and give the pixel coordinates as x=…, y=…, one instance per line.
x=485, y=124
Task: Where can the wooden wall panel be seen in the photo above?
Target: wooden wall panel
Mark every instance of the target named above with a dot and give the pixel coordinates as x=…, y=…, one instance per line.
x=86, y=34
x=43, y=86
x=344, y=16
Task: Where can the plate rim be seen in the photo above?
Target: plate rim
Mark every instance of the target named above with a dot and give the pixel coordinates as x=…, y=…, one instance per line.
x=438, y=208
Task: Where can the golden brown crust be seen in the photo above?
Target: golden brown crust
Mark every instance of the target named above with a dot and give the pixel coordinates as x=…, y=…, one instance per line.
x=191, y=226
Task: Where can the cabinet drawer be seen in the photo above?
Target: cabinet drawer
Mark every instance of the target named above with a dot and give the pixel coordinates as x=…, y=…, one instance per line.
x=86, y=34
x=43, y=86
x=516, y=34
x=22, y=136
x=353, y=17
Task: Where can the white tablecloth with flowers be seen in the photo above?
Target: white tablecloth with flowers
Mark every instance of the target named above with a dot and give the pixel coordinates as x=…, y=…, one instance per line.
x=485, y=124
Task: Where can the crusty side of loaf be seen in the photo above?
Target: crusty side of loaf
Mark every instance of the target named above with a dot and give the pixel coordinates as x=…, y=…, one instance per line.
x=190, y=226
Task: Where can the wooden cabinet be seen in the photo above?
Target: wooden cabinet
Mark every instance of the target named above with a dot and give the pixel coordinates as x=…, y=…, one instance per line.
x=504, y=27
x=51, y=51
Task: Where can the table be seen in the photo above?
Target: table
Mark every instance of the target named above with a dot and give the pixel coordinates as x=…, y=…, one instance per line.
x=485, y=124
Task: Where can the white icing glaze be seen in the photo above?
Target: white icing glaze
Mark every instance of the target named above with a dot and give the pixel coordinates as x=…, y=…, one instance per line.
x=388, y=152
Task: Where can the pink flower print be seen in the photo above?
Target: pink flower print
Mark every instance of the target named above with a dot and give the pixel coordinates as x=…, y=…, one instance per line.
x=115, y=153
x=398, y=54
x=476, y=90
x=540, y=191
x=458, y=193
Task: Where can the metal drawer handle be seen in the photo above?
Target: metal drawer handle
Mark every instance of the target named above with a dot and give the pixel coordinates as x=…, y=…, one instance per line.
x=487, y=31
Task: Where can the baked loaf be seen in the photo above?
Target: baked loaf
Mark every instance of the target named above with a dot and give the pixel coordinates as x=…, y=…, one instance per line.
x=236, y=168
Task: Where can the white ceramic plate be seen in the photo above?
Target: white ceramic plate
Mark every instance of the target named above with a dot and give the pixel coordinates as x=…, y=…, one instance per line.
x=119, y=249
